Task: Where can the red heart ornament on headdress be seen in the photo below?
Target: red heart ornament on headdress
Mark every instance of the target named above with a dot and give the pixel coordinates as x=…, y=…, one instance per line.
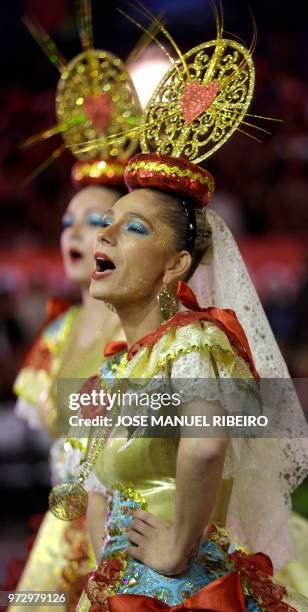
x=98, y=109
x=196, y=99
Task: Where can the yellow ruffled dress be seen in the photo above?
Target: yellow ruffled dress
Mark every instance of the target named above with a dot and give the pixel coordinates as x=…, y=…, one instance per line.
x=61, y=553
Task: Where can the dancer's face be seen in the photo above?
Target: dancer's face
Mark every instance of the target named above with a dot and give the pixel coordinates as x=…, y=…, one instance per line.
x=81, y=221
x=135, y=252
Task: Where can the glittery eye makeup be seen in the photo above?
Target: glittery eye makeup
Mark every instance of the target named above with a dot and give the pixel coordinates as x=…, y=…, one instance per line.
x=95, y=219
x=67, y=221
x=134, y=225
x=137, y=227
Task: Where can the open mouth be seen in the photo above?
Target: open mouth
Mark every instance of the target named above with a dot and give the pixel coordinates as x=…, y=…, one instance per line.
x=75, y=255
x=104, y=266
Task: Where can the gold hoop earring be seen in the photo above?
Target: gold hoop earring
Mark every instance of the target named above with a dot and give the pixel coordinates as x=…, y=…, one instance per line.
x=167, y=303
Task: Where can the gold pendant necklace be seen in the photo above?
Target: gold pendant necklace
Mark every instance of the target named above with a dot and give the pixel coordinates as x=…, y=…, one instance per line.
x=69, y=500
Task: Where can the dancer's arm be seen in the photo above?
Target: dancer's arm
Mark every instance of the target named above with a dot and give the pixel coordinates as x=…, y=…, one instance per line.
x=169, y=548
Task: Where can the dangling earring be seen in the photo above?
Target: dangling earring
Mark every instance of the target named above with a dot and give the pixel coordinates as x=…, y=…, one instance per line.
x=167, y=303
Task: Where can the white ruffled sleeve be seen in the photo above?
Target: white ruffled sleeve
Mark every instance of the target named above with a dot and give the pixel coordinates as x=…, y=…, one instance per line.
x=212, y=375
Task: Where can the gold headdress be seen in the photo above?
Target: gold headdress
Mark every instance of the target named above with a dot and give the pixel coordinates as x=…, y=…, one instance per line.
x=197, y=106
x=95, y=98
x=195, y=109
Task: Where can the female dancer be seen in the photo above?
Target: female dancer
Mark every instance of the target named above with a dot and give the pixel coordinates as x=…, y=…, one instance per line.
x=164, y=546
x=100, y=102
x=166, y=493
x=69, y=347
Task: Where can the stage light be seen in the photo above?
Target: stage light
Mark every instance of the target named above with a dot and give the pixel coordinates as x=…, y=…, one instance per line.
x=147, y=71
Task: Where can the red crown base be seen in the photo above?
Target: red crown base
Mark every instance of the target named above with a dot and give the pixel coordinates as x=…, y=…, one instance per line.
x=175, y=175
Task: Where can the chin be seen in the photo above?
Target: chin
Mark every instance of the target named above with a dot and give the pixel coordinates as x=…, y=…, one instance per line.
x=78, y=277
x=76, y=274
x=96, y=291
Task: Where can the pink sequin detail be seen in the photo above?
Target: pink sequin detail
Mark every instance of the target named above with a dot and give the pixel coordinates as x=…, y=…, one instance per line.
x=98, y=109
x=196, y=99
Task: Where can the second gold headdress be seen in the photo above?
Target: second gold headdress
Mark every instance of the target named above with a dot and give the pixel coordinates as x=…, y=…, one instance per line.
x=95, y=98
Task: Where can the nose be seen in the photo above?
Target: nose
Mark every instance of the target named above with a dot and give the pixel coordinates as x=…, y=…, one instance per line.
x=107, y=235
x=76, y=229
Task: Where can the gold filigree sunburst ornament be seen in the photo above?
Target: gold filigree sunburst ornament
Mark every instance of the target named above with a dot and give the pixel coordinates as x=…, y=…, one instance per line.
x=195, y=109
x=203, y=97
x=95, y=98
x=199, y=103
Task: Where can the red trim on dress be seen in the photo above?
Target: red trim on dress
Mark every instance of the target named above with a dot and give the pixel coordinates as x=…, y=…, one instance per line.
x=225, y=319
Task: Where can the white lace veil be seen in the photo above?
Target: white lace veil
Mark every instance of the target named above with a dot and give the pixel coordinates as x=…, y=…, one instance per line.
x=265, y=471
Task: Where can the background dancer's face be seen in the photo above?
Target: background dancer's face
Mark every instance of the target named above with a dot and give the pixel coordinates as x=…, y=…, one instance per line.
x=81, y=221
x=136, y=251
